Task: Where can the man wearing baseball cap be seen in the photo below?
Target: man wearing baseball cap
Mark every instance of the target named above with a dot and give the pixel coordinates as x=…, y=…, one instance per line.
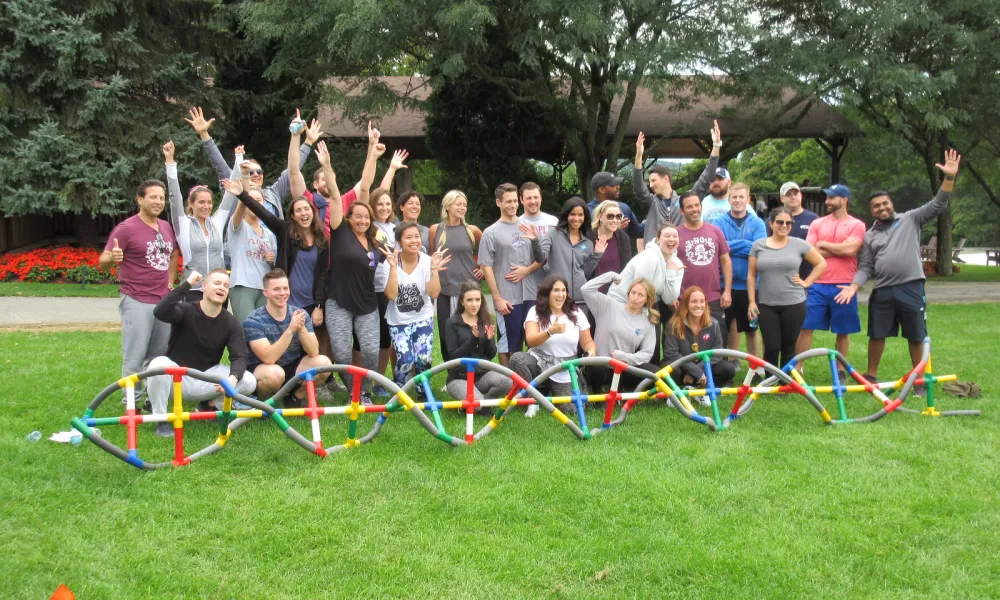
x=605, y=186
x=890, y=254
x=791, y=198
x=716, y=203
x=837, y=237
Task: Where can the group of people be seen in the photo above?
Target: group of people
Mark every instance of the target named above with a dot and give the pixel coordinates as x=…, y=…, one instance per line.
x=339, y=278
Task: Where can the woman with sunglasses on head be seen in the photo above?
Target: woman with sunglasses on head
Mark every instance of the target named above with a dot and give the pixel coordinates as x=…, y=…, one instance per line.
x=471, y=333
x=554, y=328
x=693, y=329
x=412, y=286
x=345, y=283
x=252, y=249
x=781, y=292
x=566, y=250
x=199, y=230
x=609, y=226
x=460, y=240
x=300, y=238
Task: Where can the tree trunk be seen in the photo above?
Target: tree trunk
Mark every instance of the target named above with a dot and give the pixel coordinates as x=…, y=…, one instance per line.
x=944, y=242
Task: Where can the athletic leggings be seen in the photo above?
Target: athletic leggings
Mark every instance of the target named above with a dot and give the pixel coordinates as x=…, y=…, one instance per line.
x=779, y=327
x=384, y=339
x=526, y=365
x=599, y=378
x=414, y=344
x=341, y=324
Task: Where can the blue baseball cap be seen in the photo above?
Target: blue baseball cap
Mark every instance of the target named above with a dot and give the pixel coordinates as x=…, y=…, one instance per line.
x=722, y=173
x=838, y=190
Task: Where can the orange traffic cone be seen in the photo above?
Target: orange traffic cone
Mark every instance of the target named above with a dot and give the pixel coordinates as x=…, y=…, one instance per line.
x=62, y=593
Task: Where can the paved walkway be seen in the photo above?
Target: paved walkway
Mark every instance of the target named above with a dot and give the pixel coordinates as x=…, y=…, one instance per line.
x=102, y=313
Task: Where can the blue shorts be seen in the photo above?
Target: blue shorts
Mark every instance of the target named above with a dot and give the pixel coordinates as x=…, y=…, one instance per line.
x=824, y=314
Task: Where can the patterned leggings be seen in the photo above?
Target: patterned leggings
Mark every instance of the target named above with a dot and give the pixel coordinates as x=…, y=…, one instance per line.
x=340, y=325
x=414, y=344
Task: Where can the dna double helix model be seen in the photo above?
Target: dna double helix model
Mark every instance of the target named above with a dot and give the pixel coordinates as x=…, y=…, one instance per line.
x=617, y=404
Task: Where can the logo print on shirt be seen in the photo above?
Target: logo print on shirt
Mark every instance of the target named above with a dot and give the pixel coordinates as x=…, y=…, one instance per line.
x=158, y=253
x=410, y=299
x=700, y=251
x=638, y=332
x=705, y=336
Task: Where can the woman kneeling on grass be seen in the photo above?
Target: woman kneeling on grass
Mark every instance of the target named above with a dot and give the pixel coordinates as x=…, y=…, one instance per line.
x=412, y=285
x=626, y=332
x=470, y=333
x=692, y=329
x=553, y=329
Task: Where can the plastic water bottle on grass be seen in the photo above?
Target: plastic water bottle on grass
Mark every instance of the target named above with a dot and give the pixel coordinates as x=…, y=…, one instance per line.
x=76, y=439
x=34, y=436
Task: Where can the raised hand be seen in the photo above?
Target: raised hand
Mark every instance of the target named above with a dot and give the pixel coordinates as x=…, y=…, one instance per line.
x=398, y=158
x=168, y=152
x=528, y=231
x=640, y=147
x=323, y=155
x=245, y=167
x=624, y=224
x=491, y=331
x=716, y=133
x=378, y=150
x=600, y=245
x=239, y=150
x=313, y=132
x=392, y=258
x=475, y=329
x=116, y=253
x=198, y=123
x=233, y=187
x=194, y=278
x=298, y=322
x=373, y=134
x=439, y=261
x=951, y=160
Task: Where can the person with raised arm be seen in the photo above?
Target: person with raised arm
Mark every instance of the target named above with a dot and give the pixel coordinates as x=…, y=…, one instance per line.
x=144, y=249
x=461, y=241
x=663, y=204
x=199, y=334
x=781, y=292
x=199, y=231
x=890, y=255
x=411, y=288
x=606, y=228
x=625, y=332
x=566, y=250
x=386, y=222
x=252, y=248
x=274, y=194
x=282, y=342
x=345, y=282
x=471, y=333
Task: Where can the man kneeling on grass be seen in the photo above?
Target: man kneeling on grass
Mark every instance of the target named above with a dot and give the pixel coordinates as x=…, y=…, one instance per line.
x=199, y=332
x=282, y=342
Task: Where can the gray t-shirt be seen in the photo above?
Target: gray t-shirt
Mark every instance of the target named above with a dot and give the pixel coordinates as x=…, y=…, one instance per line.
x=543, y=222
x=500, y=248
x=775, y=266
x=459, y=245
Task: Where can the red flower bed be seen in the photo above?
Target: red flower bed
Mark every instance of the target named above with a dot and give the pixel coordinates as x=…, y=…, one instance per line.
x=56, y=263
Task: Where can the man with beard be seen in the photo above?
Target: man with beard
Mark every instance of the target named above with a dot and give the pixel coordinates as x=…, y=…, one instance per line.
x=199, y=333
x=890, y=253
x=145, y=250
x=716, y=203
x=705, y=254
x=605, y=186
x=837, y=237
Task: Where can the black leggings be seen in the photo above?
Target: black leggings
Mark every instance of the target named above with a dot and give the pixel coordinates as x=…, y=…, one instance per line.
x=443, y=314
x=666, y=311
x=779, y=327
x=599, y=378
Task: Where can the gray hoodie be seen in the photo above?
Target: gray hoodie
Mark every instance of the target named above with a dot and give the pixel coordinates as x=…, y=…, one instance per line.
x=650, y=265
x=667, y=210
x=890, y=252
x=574, y=262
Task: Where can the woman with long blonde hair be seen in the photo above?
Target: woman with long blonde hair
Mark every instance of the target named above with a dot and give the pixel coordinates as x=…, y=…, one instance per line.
x=624, y=331
x=460, y=240
x=609, y=226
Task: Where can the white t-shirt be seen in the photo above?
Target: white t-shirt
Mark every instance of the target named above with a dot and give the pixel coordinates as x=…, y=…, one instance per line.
x=561, y=345
x=386, y=233
x=412, y=303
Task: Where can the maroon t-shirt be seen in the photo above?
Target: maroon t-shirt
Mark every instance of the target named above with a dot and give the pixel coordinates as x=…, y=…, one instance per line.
x=143, y=273
x=609, y=262
x=700, y=250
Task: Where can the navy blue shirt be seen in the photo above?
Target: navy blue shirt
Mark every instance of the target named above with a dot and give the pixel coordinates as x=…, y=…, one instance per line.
x=636, y=228
x=261, y=325
x=800, y=229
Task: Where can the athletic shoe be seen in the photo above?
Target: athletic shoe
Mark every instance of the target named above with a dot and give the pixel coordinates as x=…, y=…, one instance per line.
x=206, y=406
x=164, y=430
x=334, y=384
x=290, y=401
x=844, y=377
x=919, y=391
x=379, y=391
x=366, y=400
x=324, y=394
x=531, y=411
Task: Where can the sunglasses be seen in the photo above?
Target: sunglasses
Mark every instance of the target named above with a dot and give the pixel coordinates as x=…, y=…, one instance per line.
x=256, y=172
x=371, y=259
x=783, y=222
x=617, y=217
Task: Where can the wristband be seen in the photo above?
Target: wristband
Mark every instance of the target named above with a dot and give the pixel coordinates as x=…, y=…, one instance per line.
x=717, y=144
x=949, y=178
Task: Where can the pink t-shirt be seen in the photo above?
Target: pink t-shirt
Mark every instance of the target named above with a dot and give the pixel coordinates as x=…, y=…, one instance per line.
x=143, y=273
x=700, y=250
x=839, y=269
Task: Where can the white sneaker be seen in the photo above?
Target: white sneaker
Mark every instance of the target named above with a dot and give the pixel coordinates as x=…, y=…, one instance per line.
x=532, y=411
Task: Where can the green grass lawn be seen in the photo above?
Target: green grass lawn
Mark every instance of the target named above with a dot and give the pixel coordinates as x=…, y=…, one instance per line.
x=58, y=290
x=779, y=506
x=970, y=274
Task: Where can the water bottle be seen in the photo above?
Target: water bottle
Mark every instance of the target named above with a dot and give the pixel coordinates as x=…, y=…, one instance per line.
x=76, y=439
x=34, y=436
x=753, y=324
